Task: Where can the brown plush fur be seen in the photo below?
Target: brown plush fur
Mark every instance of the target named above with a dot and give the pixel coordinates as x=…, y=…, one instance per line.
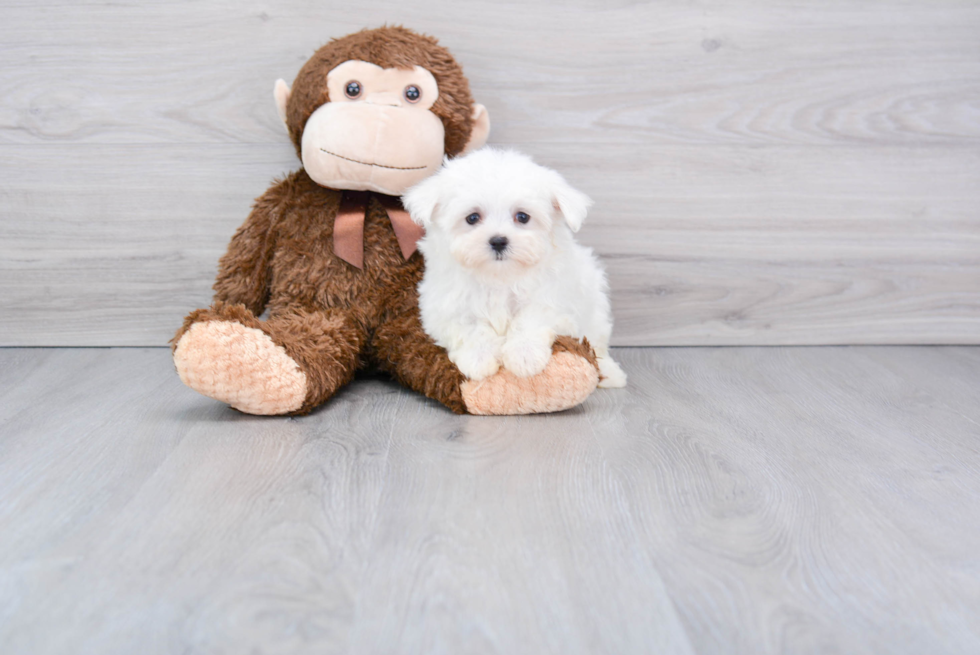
x=330, y=317
x=581, y=348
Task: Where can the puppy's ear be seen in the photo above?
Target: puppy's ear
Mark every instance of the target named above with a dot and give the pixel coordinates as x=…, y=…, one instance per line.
x=571, y=203
x=422, y=200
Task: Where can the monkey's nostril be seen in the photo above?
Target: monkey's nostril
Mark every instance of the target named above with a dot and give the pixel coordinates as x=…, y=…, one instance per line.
x=498, y=243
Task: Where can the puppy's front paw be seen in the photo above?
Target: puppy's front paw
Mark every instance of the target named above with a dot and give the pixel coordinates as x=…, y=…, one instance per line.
x=525, y=358
x=475, y=363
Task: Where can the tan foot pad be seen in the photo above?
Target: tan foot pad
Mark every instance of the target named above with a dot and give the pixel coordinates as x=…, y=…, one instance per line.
x=241, y=366
x=565, y=382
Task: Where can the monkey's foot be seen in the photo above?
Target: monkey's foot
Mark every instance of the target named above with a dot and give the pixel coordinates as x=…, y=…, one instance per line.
x=568, y=379
x=241, y=366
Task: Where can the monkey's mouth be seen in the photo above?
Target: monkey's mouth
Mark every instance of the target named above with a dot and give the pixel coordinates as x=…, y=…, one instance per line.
x=364, y=163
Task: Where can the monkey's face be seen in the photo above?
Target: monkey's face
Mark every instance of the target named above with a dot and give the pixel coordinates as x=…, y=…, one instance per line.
x=377, y=133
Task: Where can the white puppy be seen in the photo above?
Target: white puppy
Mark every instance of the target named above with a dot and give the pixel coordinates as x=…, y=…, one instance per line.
x=503, y=273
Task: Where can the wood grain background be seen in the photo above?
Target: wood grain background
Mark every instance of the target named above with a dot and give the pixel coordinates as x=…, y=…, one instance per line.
x=802, y=172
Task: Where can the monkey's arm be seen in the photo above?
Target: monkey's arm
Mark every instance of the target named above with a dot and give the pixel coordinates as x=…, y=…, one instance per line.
x=243, y=272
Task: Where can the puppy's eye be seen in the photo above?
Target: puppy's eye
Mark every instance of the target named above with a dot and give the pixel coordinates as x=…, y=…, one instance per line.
x=521, y=217
x=473, y=219
x=412, y=93
x=353, y=89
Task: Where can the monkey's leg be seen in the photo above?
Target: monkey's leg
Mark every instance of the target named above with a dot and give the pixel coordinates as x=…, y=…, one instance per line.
x=402, y=348
x=569, y=378
x=286, y=365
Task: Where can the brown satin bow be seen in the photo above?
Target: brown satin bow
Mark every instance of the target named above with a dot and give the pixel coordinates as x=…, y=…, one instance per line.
x=348, y=227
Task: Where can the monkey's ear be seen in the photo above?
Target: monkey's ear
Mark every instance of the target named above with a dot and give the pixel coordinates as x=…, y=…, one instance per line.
x=281, y=94
x=571, y=203
x=481, y=129
x=422, y=200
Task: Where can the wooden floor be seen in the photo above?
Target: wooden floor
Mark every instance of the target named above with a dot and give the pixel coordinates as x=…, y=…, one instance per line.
x=730, y=500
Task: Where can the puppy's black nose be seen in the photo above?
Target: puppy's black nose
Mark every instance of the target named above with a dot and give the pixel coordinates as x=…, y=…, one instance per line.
x=498, y=243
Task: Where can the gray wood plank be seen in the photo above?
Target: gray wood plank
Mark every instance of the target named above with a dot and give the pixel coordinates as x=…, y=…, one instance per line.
x=853, y=265
x=187, y=524
x=531, y=531
x=753, y=72
x=765, y=173
x=730, y=500
x=802, y=493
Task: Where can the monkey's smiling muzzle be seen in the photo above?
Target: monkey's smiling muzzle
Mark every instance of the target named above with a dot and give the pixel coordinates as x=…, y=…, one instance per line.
x=367, y=147
x=364, y=163
x=377, y=133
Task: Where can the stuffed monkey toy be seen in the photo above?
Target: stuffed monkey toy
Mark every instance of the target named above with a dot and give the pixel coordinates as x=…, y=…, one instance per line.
x=329, y=252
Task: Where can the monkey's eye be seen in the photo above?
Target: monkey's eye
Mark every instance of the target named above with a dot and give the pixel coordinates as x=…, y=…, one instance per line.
x=353, y=89
x=473, y=219
x=412, y=93
x=521, y=217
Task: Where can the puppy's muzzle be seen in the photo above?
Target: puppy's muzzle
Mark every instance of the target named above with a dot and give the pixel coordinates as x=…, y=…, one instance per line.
x=499, y=245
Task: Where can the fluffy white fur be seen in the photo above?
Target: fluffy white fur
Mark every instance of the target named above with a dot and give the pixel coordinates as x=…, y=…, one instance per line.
x=490, y=307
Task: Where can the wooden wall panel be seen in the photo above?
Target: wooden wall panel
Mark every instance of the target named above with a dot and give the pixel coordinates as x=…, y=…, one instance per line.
x=764, y=172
